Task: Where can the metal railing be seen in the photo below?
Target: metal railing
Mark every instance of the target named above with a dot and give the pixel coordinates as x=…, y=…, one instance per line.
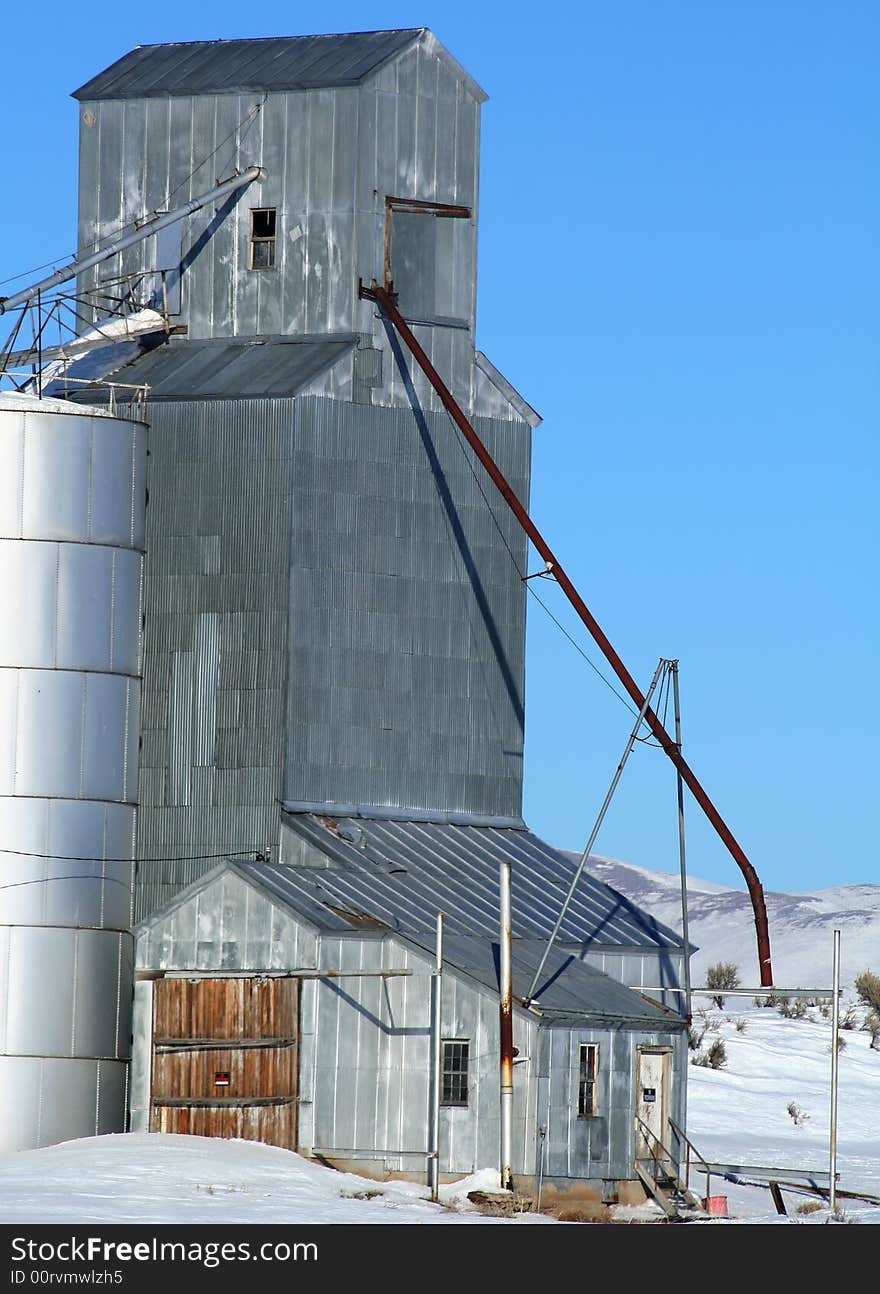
x=661, y=1165
x=689, y=1150
x=123, y=399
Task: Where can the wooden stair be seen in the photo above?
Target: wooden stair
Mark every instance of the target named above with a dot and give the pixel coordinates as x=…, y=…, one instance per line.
x=670, y=1192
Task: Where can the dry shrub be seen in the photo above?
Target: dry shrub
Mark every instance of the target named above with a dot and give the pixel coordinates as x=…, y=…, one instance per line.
x=868, y=989
x=722, y=975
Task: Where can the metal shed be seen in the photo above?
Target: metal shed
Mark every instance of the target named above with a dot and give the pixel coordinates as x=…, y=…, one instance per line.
x=361, y=963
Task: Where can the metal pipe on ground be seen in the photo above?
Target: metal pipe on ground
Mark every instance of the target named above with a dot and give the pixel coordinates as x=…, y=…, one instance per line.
x=385, y=301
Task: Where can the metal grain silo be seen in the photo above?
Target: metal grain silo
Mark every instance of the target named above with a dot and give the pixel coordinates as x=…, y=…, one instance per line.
x=71, y=540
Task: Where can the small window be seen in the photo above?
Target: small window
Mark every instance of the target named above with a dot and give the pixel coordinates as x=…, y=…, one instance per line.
x=262, y=246
x=588, y=1066
x=454, y=1089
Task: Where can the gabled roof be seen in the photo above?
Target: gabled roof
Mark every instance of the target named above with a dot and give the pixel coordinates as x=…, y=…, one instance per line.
x=569, y=991
x=402, y=873
x=271, y=63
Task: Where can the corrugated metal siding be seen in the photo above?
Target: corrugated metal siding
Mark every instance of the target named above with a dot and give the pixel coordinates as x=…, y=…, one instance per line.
x=227, y=926
x=661, y=970
x=407, y=628
x=371, y=1070
x=603, y=1146
x=404, y=675
x=216, y=588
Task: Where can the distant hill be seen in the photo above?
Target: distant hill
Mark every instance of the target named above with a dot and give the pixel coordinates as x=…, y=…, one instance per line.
x=721, y=924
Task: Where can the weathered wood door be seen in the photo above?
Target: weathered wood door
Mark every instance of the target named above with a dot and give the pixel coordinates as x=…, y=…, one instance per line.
x=225, y=1058
x=654, y=1065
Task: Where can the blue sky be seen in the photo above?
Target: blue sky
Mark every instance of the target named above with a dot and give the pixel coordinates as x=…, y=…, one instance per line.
x=678, y=269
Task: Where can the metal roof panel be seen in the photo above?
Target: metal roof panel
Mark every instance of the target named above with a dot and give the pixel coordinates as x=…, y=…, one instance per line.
x=219, y=369
x=404, y=872
x=270, y=63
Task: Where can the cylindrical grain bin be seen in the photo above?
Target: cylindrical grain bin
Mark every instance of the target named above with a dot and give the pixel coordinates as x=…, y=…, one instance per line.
x=72, y=505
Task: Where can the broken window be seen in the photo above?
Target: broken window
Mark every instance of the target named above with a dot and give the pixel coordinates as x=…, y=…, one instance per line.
x=454, y=1085
x=588, y=1066
x=429, y=260
x=261, y=254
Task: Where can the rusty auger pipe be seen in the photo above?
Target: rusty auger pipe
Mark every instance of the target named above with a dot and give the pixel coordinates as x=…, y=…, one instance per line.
x=385, y=301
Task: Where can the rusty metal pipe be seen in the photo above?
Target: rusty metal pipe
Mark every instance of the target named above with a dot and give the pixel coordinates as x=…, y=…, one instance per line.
x=756, y=893
x=506, y=1029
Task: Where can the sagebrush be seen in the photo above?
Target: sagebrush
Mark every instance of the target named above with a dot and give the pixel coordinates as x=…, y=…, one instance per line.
x=722, y=975
x=868, y=989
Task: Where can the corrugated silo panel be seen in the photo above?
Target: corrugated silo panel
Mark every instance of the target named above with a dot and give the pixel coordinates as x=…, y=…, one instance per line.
x=102, y=957
x=11, y=475
x=70, y=1099
x=28, y=581
x=109, y=716
x=55, y=477
x=40, y=992
x=49, y=713
x=115, y=515
x=85, y=576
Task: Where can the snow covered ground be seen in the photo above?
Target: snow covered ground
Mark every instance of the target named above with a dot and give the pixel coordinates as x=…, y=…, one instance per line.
x=156, y=1178
x=738, y=1114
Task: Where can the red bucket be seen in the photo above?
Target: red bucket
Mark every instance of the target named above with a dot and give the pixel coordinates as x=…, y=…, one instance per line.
x=716, y=1205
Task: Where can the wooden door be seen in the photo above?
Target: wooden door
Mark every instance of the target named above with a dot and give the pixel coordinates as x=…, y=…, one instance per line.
x=225, y=1058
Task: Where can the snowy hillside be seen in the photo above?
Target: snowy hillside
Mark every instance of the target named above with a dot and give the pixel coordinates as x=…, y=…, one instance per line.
x=721, y=924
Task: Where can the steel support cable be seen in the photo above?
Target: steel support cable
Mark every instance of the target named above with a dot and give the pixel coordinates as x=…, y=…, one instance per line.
x=660, y=670
x=385, y=302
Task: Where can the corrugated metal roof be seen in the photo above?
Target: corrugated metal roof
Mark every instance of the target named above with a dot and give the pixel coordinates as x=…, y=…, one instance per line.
x=568, y=985
x=404, y=872
x=216, y=369
x=272, y=63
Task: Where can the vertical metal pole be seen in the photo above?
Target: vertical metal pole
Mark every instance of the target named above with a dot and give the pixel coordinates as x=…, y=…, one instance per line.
x=436, y=1053
x=39, y=347
x=506, y=1031
x=681, y=852
x=835, y=1033
x=646, y=701
x=542, y=1133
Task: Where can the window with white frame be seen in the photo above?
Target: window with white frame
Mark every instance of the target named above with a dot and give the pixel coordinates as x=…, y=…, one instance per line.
x=454, y=1079
x=588, y=1071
